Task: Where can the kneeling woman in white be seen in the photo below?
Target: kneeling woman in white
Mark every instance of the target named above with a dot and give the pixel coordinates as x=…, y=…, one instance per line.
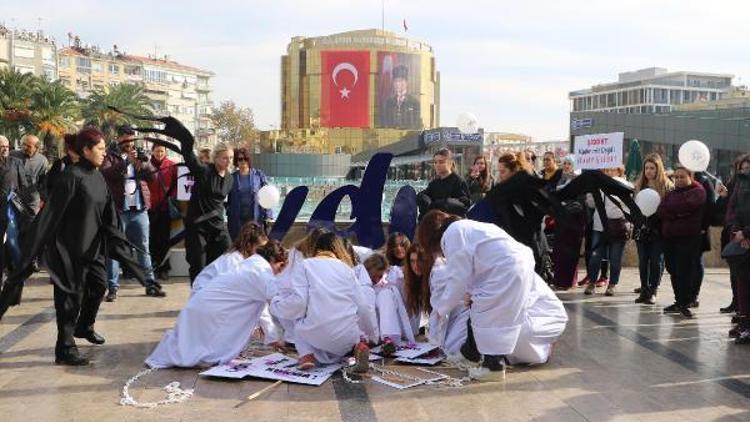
x=513, y=314
x=219, y=319
x=326, y=303
x=392, y=318
x=251, y=236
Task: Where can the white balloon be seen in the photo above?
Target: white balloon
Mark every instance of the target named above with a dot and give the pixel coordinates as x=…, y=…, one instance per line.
x=648, y=201
x=269, y=196
x=694, y=155
x=467, y=123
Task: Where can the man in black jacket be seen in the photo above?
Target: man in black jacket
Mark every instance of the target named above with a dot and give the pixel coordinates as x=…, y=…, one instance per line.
x=447, y=191
x=12, y=178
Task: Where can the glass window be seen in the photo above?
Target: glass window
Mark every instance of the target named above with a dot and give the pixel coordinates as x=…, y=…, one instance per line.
x=114, y=68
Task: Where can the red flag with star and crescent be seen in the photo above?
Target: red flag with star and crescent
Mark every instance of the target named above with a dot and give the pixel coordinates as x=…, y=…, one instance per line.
x=345, y=89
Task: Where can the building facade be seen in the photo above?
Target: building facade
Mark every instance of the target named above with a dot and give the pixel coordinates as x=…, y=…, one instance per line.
x=354, y=91
x=652, y=90
x=181, y=91
x=28, y=52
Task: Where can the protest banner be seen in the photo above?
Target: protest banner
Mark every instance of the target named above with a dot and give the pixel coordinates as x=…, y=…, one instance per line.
x=275, y=366
x=599, y=151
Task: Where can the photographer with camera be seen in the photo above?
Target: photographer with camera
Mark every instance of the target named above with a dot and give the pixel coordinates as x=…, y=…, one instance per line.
x=127, y=171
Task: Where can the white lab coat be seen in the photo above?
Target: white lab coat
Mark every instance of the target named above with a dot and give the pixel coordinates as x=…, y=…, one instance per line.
x=449, y=333
x=393, y=320
x=284, y=282
x=219, y=319
x=328, y=307
x=369, y=300
x=221, y=265
x=513, y=312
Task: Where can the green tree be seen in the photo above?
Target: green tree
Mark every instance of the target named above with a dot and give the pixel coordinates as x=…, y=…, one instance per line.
x=55, y=111
x=234, y=124
x=16, y=91
x=129, y=98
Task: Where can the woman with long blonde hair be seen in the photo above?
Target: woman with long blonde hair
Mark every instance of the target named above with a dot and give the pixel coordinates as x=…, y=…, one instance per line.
x=647, y=237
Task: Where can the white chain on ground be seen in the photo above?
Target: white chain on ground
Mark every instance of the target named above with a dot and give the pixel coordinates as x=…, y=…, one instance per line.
x=175, y=394
x=443, y=382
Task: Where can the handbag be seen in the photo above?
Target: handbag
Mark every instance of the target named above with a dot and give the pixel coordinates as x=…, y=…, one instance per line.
x=619, y=229
x=734, y=253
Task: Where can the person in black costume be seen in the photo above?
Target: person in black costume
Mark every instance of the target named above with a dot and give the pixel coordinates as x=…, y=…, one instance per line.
x=446, y=192
x=79, y=227
x=206, y=234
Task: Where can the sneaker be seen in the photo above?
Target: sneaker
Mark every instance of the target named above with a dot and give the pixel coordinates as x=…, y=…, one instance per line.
x=154, y=290
x=637, y=290
x=459, y=361
x=603, y=281
x=492, y=368
x=743, y=338
x=672, y=309
x=584, y=281
x=650, y=300
x=589, y=289
x=111, y=295
x=641, y=299
x=694, y=304
x=611, y=289
x=306, y=362
x=735, y=331
x=686, y=312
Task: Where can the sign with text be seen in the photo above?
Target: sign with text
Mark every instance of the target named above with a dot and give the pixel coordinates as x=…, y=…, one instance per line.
x=184, y=183
x=599, y=151
x=275, y=367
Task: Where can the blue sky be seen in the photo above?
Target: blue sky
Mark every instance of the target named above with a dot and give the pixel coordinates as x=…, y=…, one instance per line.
x=510, y=63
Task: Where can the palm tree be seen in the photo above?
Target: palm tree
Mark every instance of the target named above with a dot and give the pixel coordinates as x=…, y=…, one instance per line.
x=55, y=110
x=16, y=89
x=129, y=98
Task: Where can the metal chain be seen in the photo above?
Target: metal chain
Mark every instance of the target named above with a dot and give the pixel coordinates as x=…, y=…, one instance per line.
x=175, y=394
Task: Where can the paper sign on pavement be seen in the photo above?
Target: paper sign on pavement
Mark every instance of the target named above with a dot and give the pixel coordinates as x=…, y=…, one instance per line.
x=275, y=366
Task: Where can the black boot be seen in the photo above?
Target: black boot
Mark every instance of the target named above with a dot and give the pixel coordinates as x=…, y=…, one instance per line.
x=69, y=356
x=728, y=309
x=153, y=289
x=89, y=335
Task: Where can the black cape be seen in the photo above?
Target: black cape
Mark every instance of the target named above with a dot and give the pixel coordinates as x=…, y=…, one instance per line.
x=78, y=225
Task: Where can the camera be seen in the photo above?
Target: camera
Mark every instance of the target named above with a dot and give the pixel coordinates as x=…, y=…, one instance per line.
x=141, y=154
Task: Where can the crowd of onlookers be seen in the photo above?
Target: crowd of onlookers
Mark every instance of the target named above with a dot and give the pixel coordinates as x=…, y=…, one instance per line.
x=674, y=238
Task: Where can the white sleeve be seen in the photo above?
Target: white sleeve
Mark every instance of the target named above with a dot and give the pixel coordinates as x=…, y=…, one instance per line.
x=271, y=330
x=459, y=268
x=291, y=301
x=364, y=298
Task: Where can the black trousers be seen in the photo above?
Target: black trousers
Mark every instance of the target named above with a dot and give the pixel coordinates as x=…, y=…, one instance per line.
x=159, y=225
x=682, y=257
x=78, y=309
x=203, y=247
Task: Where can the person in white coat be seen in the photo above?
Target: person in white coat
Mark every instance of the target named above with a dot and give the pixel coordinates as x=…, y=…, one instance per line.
x=449, y=332
x=513, y=315
x=219, y=319
x=326, y=303
x=392, y=318
x=251, y=236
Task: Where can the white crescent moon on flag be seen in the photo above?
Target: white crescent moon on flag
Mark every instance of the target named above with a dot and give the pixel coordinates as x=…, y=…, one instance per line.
x=344, y=66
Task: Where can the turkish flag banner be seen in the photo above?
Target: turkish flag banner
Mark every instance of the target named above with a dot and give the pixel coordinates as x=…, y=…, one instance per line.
x=345, y=88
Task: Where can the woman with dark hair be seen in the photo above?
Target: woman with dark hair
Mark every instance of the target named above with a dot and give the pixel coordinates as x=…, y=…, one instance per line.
x=416, y=286
x=219, y=319
x=325, y=301
x=681, y=214
x=251, y=237
x=79, y=226
x=514, y=316
x=243, y=201
x=446, y=190
x=738, y=218
x=479, y=179
x=163, y=189
x=724, y=193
